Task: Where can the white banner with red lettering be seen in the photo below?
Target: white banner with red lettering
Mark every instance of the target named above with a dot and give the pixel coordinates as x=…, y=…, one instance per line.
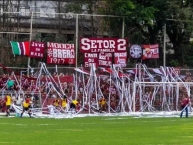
x=105, y=59
x=96, y=45
x=58, y=53
x=150, y=51
x=120, y=59
x=90, y=58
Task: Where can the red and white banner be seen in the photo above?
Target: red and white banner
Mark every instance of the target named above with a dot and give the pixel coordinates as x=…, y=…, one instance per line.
x=90, y=58
x=120, y=59
x=96, y=45
x=105, y=59
x=150, y=51
x=65, y=78
x=60, y=53
x=37, y=49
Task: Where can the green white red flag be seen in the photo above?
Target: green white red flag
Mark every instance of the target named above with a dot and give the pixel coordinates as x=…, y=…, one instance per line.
x=20, y=48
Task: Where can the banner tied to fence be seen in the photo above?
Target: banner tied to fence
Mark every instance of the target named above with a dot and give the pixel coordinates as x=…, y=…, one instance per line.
x=58, y=53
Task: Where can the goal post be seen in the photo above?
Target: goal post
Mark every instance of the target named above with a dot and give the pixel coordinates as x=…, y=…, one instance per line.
x=159, y=96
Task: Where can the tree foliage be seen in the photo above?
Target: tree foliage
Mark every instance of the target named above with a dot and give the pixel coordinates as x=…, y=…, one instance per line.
x=144, y=22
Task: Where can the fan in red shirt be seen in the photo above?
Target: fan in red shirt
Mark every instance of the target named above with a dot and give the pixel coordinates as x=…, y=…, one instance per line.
x=3, y=105
x=184, y=105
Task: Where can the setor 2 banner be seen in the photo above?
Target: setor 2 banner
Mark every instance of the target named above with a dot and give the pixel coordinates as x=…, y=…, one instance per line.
x=97, y=45
x=58, y=53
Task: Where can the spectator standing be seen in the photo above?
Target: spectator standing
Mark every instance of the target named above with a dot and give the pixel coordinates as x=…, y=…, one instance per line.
x=10, y=84
x=184, y=105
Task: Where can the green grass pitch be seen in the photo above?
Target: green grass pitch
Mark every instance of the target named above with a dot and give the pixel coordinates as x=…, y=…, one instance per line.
x=96, y=131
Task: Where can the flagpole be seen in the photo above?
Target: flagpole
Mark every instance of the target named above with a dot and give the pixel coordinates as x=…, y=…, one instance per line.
x=76, y=40
x=30, y=38
x=123, y=27
x=164, y=48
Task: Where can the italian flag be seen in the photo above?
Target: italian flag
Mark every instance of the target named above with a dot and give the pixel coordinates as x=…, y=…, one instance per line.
x=20, y=48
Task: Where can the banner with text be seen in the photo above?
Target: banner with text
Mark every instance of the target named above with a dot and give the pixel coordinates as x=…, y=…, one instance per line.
x=120, y=59
x=105, y=59
x=90, y=58
x=96, y=45
x=150, y=51
x=58, y=53
x=37, y=49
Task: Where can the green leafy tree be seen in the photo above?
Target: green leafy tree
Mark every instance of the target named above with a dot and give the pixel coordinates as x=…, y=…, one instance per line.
x=179, y=27
x=144, y=21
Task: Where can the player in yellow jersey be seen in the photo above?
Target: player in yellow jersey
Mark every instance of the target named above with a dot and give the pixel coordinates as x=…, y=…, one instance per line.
x=8, y=104
x=26, y=106
x=73, y=105
x=56, y=102
x=102, y=104
x=64, y=102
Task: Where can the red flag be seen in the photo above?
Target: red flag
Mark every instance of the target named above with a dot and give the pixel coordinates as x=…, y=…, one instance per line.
x=150, y=51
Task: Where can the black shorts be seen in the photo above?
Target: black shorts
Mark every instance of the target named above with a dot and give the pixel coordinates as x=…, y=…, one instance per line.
x=8, y=107
x=72, y=105
x=26, y=108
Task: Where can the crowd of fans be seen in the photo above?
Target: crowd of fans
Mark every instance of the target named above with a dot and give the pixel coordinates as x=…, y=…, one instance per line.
x=14, y=84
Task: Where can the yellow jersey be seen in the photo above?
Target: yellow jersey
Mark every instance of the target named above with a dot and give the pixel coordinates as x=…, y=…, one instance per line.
x=64, y=102
x=102, y=101
x=26, y=103
x=8, y=100
x=56, y=102
x=75, y=102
